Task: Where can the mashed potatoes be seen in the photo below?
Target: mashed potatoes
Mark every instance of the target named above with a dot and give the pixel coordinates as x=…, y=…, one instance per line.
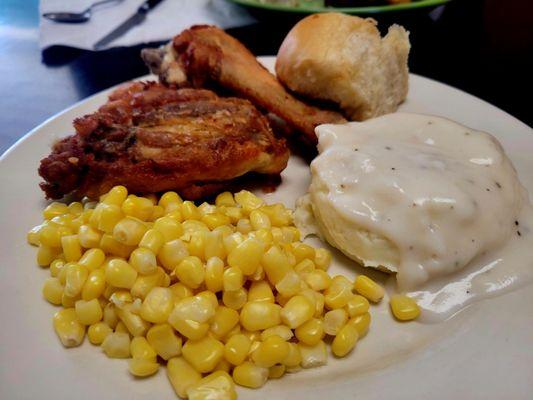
x=418, y=195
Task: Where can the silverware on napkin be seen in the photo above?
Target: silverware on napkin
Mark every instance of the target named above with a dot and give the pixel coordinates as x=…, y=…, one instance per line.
x=132, y=21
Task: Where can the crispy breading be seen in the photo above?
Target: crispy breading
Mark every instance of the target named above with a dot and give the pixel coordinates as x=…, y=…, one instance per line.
x=150, y=138
x=206, y=56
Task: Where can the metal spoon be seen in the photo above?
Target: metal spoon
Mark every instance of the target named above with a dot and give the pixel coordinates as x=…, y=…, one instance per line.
x=83, y=16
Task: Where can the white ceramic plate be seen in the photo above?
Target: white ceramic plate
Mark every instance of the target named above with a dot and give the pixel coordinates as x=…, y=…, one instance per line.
x=486, y=352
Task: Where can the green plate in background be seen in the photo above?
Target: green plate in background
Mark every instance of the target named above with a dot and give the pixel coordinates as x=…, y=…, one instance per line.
x=316, y=6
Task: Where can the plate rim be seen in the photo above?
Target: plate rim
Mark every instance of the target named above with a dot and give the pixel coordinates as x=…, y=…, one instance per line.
x=349, y=10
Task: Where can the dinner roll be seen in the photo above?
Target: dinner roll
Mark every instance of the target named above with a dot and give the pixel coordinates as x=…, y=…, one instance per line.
x=343, y=59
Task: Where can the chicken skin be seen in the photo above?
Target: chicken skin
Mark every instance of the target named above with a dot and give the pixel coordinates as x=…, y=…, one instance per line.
x=151, y=138
x=206, y=56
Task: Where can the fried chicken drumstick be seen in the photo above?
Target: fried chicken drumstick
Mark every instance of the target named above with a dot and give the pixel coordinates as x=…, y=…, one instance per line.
x=150, y=138
x=205, y=56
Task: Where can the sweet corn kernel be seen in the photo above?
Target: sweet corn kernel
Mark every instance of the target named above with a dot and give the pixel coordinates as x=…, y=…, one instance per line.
x=51, y=234
x=121, y=328
x=92, y=259
x=141, y=367
x=297, y=311
x=260, y=291
x=190, y=316
x=276, y=264
x=54, y=209
x=152, y=240
x=143, y=260
x=56, y=266
x=214, y=245
x=32, y=236
x=133, y=322
x=404, y=308
x=157, y=305
x=270, y=352
x=303, y=251
x=116, y=195
x=108, y=216
x=237, y=348
x=45, y=255
x=140, y=348
x=260, y=315
x=172, y=253
x=361, y=323
x=311, y=332
x=248, y=201
x=71, y=247
x=318, y=279
x=338, y=293
x=129, y=231
x=203, y=354
x=277, y=213
x=119, y=297
x=53, y=291
x=144, y=283
x=218, y=385
x=334, y=320
x=190, y=211
x=98, y=332
x=243, y=226
x=225, y=199
x=138, y=207
x=313, y=356
x=290, y=234
x=110, y=315
x=234, y=213
x=112, y=246
x=250, y=375
x=276, y=371
x=168, y=198
x=235, y=299
x=224, y=366
x=246, y=256
x=357, y=305
x=181, y=375
x=304, y=267
x=69, y=330
x=68, y=301
x=169, y=228
x=224, y=320
x=117, y=345
x=322, y=259
x=75, y=277
x=294, y=357
x=214, y=271
x=120, y=274
x=233, y=279
x=88, y=312
x=191, y=271
x=181, y=291
x=259, y=220
x=164, y=341
x=282, y=331
x=215, y=220
x=368, y=288
x=289, y=285
x=345, y=340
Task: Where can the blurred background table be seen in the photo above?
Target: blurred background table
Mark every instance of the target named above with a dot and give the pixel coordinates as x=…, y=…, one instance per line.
x=483, y=47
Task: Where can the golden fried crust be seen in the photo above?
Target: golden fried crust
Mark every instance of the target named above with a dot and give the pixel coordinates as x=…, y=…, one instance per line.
x=150, y=138
x=205, y=56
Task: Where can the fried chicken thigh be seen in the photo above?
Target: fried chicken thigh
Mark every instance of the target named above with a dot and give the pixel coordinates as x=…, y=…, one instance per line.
x=151, y=138
x=205, y=56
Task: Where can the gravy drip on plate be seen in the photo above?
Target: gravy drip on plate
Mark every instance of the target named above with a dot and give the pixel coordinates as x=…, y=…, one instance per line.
x=445, y=196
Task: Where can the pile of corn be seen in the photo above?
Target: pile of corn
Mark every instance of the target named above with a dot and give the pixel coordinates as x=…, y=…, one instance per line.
x=221, y=293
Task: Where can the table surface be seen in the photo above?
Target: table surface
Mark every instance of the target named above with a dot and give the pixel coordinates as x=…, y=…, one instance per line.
x=481, y=46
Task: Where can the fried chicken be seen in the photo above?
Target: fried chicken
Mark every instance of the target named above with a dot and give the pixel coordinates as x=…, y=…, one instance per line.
x=151, y=138
x=206, y=56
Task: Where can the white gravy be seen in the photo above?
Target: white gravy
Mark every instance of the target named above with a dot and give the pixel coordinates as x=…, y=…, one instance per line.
x=446, y=196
